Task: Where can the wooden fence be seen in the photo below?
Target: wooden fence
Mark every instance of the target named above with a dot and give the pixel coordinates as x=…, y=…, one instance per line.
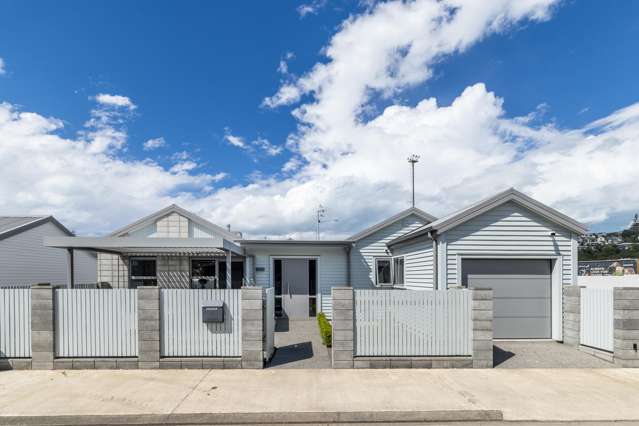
x=96, y=323
x=182, y=332
x=15, y=323
x=413, y=323
x=597, y=318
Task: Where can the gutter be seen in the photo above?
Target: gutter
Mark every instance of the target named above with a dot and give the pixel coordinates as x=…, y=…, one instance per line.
x=433, y=236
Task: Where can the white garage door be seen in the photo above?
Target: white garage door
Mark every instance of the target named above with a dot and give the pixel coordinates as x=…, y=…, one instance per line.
x=521, y=291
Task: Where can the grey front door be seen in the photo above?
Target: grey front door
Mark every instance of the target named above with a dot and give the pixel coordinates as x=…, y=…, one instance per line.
x=295, y=280
x=521, y=294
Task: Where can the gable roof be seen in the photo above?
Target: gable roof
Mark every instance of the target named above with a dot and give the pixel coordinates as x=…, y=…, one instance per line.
x=511, y=194
x=173, y=208
x=399, y=216
x=12, y=225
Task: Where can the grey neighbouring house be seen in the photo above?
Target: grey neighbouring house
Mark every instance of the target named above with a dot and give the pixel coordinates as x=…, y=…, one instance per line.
x=524, y=250
x=25, y=261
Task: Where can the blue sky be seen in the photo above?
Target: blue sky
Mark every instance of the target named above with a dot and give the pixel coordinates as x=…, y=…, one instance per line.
x=199, y=71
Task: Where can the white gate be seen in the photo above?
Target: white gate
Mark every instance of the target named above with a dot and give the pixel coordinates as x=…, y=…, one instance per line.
x=183, y=333
x=597, y=318
x=269, y=323
x=96, y=323
x=15, y=323
x=413, y=323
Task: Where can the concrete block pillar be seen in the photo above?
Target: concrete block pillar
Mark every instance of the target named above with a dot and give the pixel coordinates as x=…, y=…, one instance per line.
x=482, y=317
x=42, y=331
x=626, y=320
x=572, y=314
x=252, y=327
x=343, y=323
x=148, y=327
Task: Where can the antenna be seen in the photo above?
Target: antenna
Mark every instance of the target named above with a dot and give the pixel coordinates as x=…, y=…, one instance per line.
x=321, y=214
x=412, y=159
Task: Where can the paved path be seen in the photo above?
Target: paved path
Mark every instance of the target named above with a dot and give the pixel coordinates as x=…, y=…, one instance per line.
x=299, y=345
x=528, y=394
x=527, y=354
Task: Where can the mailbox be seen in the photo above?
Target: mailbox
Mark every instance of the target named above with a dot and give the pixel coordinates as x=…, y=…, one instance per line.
x=213, y=311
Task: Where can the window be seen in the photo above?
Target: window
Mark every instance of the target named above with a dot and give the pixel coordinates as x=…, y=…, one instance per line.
x=202, y=273
x=398, y=270
x=312, y=287
x=143, y=271
x=383, y=271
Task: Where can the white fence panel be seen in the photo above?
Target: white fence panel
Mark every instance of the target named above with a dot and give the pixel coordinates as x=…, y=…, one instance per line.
x=269, y=323
x=15, y=323
x=183, y=333
x=96, y=323
x=597, y=318
x=413, y=323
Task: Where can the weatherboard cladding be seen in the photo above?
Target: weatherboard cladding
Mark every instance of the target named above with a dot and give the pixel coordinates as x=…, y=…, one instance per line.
x=418, y=263
x=508, y=229
x=365, y=251
x=332, y=266
x=24, y=260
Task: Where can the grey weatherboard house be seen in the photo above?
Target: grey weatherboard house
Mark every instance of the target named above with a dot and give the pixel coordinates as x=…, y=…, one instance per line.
x=25, y=261
x=523, y=249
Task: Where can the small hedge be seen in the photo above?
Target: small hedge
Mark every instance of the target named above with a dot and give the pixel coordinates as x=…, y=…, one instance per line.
x=326, y=330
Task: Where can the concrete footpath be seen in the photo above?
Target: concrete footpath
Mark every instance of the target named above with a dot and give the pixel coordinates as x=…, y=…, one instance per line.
x=253, y=396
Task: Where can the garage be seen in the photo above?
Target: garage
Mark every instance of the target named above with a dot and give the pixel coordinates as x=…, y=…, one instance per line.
x=522, y=294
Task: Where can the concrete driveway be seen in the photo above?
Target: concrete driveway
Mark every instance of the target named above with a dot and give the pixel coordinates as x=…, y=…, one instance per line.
x=543, y=354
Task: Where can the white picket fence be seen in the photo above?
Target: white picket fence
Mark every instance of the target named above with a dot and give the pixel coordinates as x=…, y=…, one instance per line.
x=96, y=323
x=15, y=323
x=269, y=323
x=182, y=332
x=597, y=318
x=413, y=323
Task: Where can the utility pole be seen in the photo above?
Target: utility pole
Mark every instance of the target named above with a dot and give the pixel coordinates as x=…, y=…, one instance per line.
x=412, y=159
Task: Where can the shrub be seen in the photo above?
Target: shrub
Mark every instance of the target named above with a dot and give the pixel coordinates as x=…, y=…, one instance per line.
x=326, y=330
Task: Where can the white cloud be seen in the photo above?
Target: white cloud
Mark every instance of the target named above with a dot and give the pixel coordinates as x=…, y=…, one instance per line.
x=260, y=143
x=236, y=141
x=154, y=143
x=354, y=166
x=311, y=8
x=115, y=101
x=2, y=69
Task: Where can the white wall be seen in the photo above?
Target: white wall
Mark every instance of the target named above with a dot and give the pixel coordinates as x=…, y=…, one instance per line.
x=507, y=230
x=365, y=250
x=418, y=263
x=24, y=260
x=332, y=266
x=609, y=281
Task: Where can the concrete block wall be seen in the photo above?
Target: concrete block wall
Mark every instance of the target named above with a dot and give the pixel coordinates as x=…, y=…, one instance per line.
x=482, y=317
x=626, y=320
x=571, y=314
x=113, y=269
x=342, y=323
x=252, y=327
x=148, y=327
x=42, y=328
x=172, y=226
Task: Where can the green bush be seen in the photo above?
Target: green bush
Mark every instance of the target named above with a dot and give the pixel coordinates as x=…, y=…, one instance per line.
x=326, y=331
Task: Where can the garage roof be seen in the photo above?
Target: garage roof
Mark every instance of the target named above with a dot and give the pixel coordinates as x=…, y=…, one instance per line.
x=12, y=225
x=511, y=194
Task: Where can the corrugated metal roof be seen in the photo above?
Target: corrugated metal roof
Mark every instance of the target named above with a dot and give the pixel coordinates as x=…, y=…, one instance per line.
x=8, y=223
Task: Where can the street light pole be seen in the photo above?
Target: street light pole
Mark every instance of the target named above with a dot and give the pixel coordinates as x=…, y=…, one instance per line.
x=412, y=159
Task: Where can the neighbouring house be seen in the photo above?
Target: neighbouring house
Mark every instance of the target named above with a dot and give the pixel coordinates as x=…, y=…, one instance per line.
x=524, y=250
x=24, y=260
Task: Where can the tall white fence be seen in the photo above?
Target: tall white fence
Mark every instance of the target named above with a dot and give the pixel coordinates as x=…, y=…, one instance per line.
x=269, y=322
x=597, y=318
x=183, y=334
x=413, y=323
x=15, y=323
x=96, y=323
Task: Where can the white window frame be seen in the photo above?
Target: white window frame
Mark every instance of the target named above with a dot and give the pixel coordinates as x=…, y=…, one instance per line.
x=390, y=260
x=403, y=270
